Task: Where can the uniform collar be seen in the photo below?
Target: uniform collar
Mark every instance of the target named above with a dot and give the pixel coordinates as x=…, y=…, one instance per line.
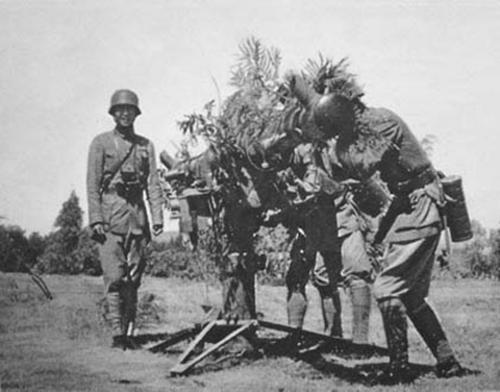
x=129, y=137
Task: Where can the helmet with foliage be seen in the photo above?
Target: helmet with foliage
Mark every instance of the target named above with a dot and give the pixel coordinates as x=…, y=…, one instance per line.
x=124, y=97
x=333, y=114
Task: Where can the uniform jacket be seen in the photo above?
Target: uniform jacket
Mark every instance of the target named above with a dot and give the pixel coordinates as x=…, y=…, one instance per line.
x=119, y=208
x=389, y=146
x=318, y=219
x=326, y=164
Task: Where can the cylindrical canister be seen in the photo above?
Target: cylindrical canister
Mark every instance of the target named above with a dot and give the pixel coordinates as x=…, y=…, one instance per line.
x=456, y=209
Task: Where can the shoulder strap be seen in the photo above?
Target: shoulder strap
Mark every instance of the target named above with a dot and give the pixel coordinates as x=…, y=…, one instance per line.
x=107, y=180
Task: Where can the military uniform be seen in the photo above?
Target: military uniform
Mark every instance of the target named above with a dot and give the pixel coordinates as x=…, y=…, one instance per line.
x=382, y=141
x=315, y=216
x=355, y=268
x=120, y=169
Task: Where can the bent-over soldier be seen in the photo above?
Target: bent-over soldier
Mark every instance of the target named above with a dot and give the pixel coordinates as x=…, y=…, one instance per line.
x=121, y=168
x=377, y=139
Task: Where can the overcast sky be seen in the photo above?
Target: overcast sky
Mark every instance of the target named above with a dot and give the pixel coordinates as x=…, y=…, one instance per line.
x=434, y=63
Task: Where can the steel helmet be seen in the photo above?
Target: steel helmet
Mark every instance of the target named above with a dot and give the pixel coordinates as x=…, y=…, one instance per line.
x=124, y=97
x=333, y=114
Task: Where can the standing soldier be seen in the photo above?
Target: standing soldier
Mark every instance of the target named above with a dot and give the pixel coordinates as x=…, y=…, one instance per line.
x=353, y=266
x=121, y=166
x=377, y=139
x=357, y=271
x=315, y=217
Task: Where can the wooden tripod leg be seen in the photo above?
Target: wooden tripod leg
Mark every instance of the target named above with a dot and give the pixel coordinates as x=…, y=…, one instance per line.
x=195, y=342
x=181, y=368
x=171, y=340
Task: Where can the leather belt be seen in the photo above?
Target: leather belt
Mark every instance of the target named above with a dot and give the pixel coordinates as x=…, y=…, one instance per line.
x=425, y=177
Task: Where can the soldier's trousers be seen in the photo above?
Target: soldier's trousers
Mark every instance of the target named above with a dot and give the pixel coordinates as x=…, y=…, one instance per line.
x=355, y=262
x=122, y=261
x=401, y=289
x=319, y=235
x=356, y=274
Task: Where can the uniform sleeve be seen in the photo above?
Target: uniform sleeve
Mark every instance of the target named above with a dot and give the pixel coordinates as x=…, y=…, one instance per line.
x=363, y=157
x=154, y=191
x=94, y=180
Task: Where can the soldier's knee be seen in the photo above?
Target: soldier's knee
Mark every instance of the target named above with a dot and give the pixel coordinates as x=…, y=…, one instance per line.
x=354, y=281
x=327, y=291
x=391, y=303
x=294, y=283
x=320, y=277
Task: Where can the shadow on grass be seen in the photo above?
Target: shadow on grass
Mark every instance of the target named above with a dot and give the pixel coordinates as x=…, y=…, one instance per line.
x=341, y=366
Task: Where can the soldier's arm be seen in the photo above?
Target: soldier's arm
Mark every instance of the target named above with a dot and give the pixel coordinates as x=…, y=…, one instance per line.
x=154, y=191
x=94, y=181
x=364, y=159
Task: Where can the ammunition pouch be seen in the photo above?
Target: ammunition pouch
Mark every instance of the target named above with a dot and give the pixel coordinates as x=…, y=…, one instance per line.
x=128, y=175
x=130, y=191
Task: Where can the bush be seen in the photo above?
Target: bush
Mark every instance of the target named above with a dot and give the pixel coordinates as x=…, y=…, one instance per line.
x=18, y=252
x=174, y=259
x=83, y=259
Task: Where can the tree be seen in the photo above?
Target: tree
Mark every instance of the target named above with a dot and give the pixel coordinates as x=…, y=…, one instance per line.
x=69, y=223
x=495, y=253
x=36, y=245
x=69, y=249
x=475, y=252
x=14, y=248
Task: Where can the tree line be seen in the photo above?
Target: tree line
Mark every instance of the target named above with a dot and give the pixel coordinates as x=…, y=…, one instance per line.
x=70, y=250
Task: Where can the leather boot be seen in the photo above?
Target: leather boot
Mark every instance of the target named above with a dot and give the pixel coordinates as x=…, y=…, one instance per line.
x=129, y=307
x=115, y=318
x=428, y=326
x=396, y=332
x=361, y=306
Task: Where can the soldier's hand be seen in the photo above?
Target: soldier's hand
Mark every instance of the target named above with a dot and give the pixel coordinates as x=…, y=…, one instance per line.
x=272, y=218
x=351, y=183
x=98, y=229
x=157, y=230
x=98, y=233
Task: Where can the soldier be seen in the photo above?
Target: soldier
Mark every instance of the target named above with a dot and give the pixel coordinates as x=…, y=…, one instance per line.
x=121, y=167
x=354, y=268
x=377, y=139
x=315, y=216
x=357, y=271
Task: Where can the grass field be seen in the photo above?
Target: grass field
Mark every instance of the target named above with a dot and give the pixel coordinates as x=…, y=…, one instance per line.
x=62, y=345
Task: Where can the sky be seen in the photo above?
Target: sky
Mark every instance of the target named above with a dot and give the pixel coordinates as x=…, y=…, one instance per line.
x=435, y=63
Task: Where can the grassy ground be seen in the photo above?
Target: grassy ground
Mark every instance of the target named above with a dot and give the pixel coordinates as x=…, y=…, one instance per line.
x=62, y=345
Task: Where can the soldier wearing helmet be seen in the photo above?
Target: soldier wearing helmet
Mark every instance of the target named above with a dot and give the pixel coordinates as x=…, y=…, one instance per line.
x=121, y=171
x=368, y=140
